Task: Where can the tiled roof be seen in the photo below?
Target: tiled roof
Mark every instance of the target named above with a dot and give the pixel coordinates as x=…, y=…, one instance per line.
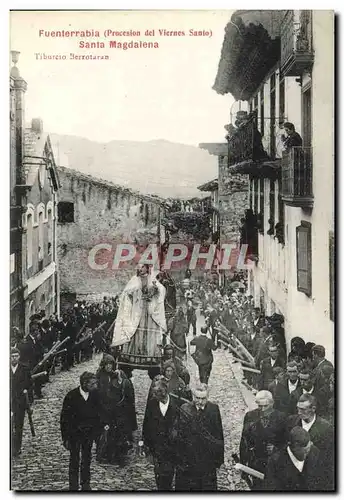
x=209, y=186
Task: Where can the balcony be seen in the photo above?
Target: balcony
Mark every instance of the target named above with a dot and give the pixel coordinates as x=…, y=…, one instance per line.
x=245, y=145
x=297, y=170
x=297, y=53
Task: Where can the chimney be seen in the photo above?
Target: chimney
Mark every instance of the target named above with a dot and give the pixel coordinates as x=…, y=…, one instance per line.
x=37, y=125
x=20, y=86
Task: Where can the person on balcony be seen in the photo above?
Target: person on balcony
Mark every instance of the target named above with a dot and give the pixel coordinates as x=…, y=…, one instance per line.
x=292, y=139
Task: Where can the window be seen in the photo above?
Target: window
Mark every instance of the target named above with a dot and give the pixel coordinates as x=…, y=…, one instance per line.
x=50, y=231
x=261, y=207
x=29, y=240
x=332, y=256
x=40, y=236
x=281, y=102
x=272, y=115
x=65, y=212
x=304, y=258
x=271, y=230
x=256, y=195
x=251, y=194
x=307, y=118
x=280, y=224
x=262, y=111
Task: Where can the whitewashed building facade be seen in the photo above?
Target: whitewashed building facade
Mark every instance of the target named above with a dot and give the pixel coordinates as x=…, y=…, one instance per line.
x=288, y=77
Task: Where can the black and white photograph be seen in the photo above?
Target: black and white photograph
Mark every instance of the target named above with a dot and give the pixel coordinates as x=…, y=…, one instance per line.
x=172, y=251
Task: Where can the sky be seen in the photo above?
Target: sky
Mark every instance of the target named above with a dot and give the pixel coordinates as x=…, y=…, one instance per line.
x=138, y=94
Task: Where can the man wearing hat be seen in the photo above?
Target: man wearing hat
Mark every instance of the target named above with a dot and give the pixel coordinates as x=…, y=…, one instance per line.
x=20, y=380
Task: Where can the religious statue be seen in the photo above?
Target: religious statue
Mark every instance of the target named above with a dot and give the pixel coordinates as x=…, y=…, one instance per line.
x=141, y=323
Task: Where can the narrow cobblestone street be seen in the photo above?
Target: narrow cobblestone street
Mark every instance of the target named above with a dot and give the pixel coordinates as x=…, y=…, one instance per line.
x=43, y=464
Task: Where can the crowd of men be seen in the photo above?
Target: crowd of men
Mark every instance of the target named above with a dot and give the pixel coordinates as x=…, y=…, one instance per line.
x=289, y=439
x=287, y=442
x=34, y=359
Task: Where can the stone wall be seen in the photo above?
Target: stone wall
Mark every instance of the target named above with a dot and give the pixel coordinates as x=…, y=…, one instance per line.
x=103, y=214
x=233, y=201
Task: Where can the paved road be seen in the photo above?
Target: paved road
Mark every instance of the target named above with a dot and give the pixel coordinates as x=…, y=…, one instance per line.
x=43, y=464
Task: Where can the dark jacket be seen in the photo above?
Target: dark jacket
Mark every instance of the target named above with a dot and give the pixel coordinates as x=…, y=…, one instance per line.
x=282, y=396
x=292, y=140
x=31, y=352
x=157, y=430
x=80, y=419
x=282, y=475
x=204, y=347
x=255, y=437
x=321, y=432
x=319, y=396
x=322, y=436
x=320, y=378
x=267, y=375
x=199, y=435
x=20, y=381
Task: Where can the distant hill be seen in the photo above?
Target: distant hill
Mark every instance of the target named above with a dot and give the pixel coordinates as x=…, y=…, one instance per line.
x=158, y=167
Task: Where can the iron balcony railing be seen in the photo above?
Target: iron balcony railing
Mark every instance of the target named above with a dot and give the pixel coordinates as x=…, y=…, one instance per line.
x=296, y=35
x=297, y=175
x=246, y=144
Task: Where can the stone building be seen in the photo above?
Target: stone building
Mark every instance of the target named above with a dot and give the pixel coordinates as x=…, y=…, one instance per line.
x=17, y=91
x=94, y=217
x=288, y=76
x=34, y=187
x=229, y=195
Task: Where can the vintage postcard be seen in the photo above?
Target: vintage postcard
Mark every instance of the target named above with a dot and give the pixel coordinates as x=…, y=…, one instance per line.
x=172, y=250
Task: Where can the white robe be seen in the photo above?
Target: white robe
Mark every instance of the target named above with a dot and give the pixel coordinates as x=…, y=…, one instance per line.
x=132, y=307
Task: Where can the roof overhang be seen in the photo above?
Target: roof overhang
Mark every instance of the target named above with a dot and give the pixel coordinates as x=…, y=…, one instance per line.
x=209, y=186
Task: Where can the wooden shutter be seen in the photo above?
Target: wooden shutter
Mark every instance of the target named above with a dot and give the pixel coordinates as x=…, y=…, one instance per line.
x=332, y=259
x=304, y=257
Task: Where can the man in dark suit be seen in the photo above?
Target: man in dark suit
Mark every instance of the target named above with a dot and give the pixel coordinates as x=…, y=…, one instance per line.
x=257, y=320
x=307, y=386
x=320, y=431
x=199, y=443
x=159, y=420
x=318, y=355
x=266, y=366
x=297, y=467
x=20, y=378
x=68, y=329
x=32, y=352
x=283, y=389
x=203, y=355
x=80, y=426
x=264, y=431
x=191, y=316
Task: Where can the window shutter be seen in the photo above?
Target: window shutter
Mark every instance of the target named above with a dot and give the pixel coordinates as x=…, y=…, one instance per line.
x=304, y=258
x=332, y=275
